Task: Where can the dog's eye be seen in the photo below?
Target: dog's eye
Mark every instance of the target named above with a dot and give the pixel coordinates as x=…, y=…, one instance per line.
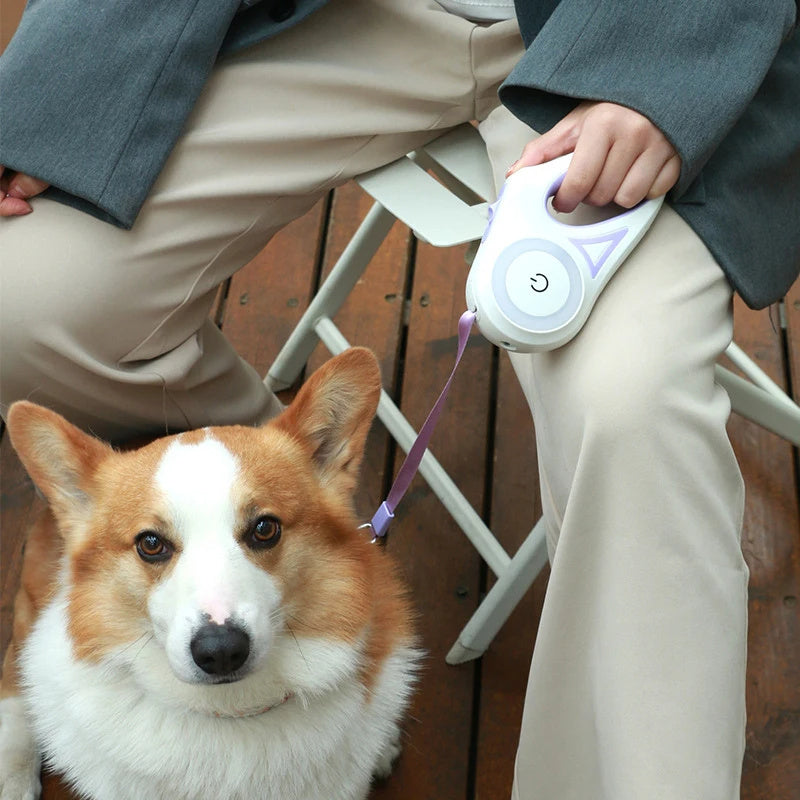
x=264, y=532
x=151, y=547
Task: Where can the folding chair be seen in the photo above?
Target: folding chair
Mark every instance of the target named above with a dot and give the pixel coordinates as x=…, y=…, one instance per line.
x=445, y=212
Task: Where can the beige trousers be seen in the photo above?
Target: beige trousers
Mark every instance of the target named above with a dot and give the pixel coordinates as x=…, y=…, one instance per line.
x=637, y=683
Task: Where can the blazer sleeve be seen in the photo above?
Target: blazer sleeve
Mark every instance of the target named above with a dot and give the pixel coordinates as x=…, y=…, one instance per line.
x=691, y=68
x=93, y=93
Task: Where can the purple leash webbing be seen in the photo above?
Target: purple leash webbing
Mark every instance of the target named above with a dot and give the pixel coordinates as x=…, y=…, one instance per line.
x=385, y=513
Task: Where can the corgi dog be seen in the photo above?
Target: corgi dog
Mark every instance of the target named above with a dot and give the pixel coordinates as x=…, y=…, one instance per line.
x=201, y=619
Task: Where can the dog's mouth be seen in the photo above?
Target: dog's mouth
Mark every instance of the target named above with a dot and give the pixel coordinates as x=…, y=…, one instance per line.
x=220, y=680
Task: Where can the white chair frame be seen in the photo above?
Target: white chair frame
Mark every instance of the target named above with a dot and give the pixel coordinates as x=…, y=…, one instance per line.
x=445, y=212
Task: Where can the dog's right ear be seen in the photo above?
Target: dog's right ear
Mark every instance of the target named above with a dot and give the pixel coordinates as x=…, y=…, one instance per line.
x=60, y=458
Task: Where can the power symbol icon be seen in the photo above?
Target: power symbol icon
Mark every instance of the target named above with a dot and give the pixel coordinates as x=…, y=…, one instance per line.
x=539, y=283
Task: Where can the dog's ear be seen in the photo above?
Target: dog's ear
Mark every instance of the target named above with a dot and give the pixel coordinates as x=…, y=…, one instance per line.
x=332, y=414
x=59, y=457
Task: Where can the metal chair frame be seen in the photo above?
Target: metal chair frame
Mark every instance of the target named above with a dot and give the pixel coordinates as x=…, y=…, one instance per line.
x=447, y=210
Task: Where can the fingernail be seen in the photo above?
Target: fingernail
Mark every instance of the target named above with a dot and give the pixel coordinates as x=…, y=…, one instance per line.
x=512, y=168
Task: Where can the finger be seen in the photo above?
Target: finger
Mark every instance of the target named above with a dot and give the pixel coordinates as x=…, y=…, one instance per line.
x=23, y=186
x=14, y=207
x=584, y=170
x=641, y=178
x=619, y=160
x=667, y=178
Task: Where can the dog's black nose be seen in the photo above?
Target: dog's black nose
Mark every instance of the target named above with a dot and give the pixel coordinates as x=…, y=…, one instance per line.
x=220, y=649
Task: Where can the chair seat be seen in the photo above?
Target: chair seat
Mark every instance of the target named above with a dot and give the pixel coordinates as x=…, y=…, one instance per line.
x=438, y=211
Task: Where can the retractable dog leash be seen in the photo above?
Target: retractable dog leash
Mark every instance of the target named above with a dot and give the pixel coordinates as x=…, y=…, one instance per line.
x=535, y=279
x=531, y=287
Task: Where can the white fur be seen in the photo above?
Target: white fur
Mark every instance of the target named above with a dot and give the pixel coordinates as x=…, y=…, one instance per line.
x=19, y=757
x=145, y=723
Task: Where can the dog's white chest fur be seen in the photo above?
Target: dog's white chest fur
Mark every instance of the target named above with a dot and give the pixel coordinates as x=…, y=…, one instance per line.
x=116, y=740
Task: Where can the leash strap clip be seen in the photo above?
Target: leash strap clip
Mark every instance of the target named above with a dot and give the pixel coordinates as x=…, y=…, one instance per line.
x=385, y=513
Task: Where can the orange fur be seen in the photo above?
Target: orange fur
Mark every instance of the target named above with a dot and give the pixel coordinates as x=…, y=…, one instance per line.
x=297, y=467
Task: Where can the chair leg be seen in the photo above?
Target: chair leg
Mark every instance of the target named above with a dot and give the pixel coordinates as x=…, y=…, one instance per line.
x=502, y=599
x=330, y=297
x=780, y=416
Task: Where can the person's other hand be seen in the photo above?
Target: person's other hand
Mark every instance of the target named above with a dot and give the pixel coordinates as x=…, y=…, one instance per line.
x=16, y=189
x=619, y=156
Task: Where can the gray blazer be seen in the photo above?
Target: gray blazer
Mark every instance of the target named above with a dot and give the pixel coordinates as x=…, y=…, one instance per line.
x=93, y=95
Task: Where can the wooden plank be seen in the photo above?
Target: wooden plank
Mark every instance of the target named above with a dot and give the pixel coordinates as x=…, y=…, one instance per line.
x=441, y=565
x=10, y=13
x=771, y=544
x=515, y=509
x=373, y=316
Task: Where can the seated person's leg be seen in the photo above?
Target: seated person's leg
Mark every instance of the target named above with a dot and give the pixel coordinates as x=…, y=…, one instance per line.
x=637, y=682
x=110, y=327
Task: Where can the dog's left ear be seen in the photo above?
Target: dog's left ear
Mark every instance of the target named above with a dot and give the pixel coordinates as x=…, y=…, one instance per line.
x=332, y=414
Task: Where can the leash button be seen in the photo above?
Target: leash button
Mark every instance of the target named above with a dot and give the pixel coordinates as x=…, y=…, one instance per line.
x=537, y=283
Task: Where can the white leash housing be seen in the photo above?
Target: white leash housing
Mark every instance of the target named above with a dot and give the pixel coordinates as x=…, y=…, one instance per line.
x=535, y=279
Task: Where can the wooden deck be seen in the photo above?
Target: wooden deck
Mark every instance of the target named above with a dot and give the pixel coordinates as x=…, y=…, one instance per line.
x=461, y=736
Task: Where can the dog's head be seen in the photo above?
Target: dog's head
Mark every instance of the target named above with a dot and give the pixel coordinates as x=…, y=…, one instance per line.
x=220, y=550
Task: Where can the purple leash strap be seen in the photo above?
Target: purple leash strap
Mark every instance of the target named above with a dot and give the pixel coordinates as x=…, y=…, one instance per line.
x=384, y=514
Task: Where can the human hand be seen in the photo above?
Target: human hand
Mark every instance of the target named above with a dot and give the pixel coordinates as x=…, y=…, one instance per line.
x=619, y=156
x=16, y=189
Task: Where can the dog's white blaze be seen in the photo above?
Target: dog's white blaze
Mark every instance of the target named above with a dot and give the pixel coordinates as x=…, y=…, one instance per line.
x=212, y=579
x=198, y=480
